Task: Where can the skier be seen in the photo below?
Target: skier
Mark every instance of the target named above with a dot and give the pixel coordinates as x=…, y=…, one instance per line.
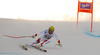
x=48, y=34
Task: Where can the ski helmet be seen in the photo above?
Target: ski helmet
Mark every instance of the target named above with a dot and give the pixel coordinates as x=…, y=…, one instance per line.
x=51, y=28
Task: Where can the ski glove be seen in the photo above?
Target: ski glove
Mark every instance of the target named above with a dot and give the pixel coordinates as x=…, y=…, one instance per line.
x=33, y=36
x=60, y=44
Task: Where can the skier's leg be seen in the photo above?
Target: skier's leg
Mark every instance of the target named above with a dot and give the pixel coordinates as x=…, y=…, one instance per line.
x=36, y=42
x=45, y=42
x=39, y=40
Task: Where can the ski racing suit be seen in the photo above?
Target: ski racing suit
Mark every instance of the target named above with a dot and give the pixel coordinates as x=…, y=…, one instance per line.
x=45, y=38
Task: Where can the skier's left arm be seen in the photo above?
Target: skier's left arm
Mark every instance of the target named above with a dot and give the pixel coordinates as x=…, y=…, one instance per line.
x=59, y=43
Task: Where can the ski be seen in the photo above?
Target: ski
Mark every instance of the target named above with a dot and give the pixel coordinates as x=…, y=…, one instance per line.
x=39, y=48
x=23, y=47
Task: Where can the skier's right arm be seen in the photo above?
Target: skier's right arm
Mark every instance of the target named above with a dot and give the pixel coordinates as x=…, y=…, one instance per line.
x=33, y=36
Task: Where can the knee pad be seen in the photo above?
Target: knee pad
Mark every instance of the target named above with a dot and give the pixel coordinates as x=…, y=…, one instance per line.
x=38, y=41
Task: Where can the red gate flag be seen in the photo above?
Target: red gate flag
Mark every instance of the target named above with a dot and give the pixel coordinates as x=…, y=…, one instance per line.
x=85, y=7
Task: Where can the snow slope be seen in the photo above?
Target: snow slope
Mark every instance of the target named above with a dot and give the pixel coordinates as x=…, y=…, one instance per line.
x=75, y=42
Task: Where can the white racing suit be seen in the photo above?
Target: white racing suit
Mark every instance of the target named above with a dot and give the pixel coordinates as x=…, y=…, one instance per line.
x=45, y=38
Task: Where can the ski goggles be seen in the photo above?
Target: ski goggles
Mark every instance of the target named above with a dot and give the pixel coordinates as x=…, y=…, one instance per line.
x=50, y=30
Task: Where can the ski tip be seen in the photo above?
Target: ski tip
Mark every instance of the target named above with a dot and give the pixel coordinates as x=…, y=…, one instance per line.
x=23, y=47
x=26, y=49
x=45, y=50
